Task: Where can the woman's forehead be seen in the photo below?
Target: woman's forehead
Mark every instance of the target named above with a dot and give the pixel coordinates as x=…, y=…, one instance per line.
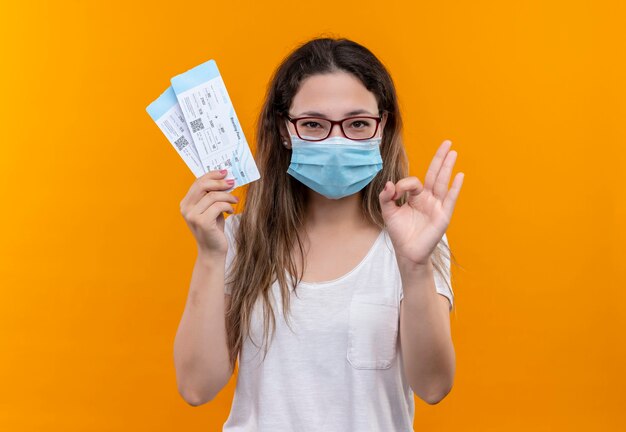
x=334, y=94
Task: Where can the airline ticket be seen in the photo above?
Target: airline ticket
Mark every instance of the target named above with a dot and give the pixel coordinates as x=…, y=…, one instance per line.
x=197, y=116
x=213, y=123
x=168, y=116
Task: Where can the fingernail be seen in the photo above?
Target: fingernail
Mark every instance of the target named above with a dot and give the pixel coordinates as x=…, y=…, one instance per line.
x=223, y=171
x=230, y=182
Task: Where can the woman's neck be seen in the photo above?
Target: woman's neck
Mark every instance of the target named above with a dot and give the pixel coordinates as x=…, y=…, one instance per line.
x=334, y=215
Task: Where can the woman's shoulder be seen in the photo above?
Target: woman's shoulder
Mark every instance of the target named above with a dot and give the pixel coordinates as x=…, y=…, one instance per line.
x=231, y=222
x=233, y=218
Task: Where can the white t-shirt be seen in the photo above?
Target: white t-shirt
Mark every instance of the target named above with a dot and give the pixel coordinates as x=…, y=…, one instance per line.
x=341, y=369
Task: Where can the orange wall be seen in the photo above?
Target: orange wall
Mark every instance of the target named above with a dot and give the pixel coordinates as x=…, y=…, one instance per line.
x=95, y=257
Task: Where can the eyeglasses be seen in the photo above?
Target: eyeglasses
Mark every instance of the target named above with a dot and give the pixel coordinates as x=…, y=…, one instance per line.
x=318, y=129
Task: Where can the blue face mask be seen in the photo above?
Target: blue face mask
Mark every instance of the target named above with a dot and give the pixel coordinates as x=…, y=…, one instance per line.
x=337, y=166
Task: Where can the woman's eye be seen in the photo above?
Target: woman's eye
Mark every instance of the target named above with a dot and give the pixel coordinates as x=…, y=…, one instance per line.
x=359, y=124
x=310, y=124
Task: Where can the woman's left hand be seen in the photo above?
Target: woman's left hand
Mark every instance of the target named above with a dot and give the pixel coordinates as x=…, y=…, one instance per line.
x=416, y=227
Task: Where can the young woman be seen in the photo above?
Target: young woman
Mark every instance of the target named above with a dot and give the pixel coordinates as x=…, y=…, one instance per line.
x=342, y=252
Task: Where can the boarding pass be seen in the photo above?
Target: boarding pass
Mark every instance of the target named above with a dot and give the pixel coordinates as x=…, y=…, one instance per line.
x=197, y=116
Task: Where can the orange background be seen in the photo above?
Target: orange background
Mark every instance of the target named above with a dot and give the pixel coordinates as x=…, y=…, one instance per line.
x=96, y=259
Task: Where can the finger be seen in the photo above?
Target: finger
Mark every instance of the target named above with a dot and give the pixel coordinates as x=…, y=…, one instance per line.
x=411, y=184
x=216, y=209
x=443, y=178
x=387, y=205
x=435, y=165
x=213, y=197
x=452, y=195
x=213, y=180
x=192, y=193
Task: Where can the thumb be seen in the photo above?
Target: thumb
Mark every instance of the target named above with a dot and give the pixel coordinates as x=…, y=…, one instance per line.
x=387, y=204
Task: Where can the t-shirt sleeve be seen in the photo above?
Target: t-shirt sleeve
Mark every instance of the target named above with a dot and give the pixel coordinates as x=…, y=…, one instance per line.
x=440, y=281
x=230, y=224
x=440, y=284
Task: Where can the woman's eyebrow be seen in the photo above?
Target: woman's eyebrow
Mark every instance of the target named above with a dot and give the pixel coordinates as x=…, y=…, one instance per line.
x=348, y=114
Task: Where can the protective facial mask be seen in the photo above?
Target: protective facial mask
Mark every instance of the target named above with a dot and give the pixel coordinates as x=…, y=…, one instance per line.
x=337, y=166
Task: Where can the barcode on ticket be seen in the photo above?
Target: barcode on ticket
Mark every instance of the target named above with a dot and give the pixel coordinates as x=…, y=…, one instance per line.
x=181, y=143
x=196, y=125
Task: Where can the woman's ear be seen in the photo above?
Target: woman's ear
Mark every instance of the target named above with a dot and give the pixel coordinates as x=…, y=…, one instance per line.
x=284, y=134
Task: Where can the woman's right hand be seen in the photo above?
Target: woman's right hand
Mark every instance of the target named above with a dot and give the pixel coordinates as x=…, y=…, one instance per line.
x=202, y=209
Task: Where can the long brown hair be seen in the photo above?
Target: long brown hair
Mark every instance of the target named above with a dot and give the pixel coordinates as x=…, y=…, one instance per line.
x=275, y=204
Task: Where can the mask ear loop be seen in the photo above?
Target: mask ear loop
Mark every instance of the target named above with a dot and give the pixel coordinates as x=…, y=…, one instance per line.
x=383, y=114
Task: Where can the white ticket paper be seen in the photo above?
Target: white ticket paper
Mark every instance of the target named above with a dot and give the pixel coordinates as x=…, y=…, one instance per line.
x=168, y=116
x=213, y=123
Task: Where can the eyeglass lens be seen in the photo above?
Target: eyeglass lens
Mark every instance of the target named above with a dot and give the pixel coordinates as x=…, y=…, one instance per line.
x=354, y=128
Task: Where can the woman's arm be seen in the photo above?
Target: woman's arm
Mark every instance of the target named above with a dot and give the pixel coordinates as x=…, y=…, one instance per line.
x=200, y=347
x=428, y=353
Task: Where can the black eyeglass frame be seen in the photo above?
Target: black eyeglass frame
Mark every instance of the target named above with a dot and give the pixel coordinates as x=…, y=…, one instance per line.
x=332, y=125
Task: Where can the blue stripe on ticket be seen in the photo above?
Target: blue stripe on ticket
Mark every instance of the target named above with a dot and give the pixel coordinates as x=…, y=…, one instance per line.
x=196, y=76
x=162, y=104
